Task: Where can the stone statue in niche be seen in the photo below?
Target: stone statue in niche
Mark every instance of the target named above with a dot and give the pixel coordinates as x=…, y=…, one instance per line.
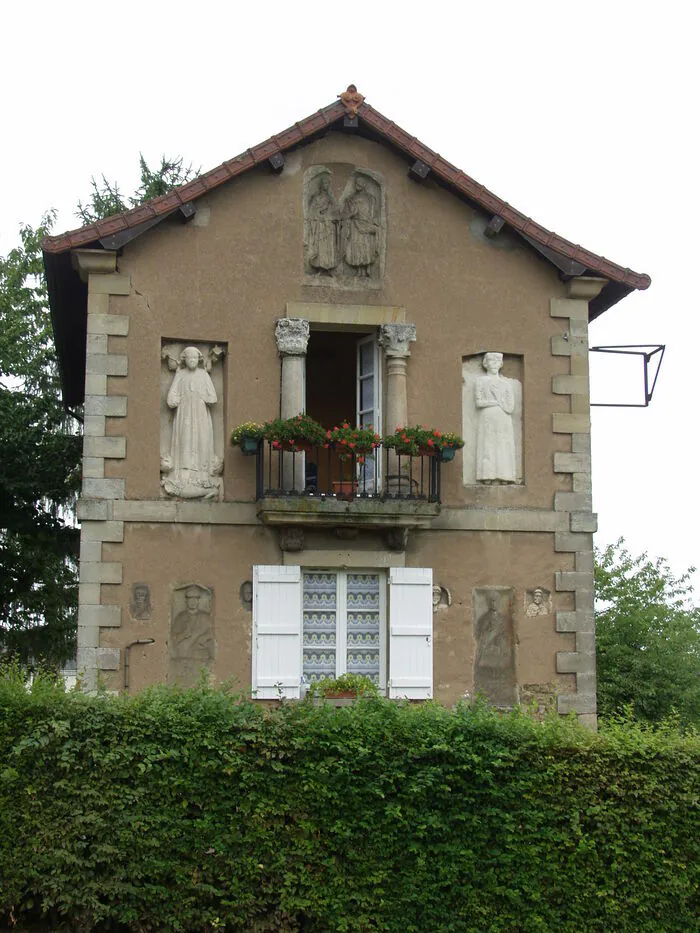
x=192, y=466
x=191, y=645
x=442, y=598
x=344, y=238
x=494, y=660
x=492, y=414
x=538, y=602
x=140, y=603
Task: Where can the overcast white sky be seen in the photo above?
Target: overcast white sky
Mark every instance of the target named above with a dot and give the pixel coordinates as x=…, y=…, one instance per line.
x=583, y=116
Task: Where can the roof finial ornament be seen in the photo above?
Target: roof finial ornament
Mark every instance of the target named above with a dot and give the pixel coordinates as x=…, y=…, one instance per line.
x=351, y=100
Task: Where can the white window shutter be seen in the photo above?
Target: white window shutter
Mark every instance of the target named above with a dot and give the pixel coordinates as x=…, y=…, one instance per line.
x=411, y=633
x=276, y=632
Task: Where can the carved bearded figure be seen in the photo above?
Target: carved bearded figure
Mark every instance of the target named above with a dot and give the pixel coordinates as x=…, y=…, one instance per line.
x=360, y=229
x=193, y=466
x=495, y=439
x=322, y=229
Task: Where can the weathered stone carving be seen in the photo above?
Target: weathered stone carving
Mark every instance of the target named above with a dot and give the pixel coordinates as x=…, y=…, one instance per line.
x=494, y=660
x=344, y=238
x=191, y=645
x=492, y=415
x=292, y=336
x=246, y=594
x=193, y=459
x=396, y=538
x=291, y=538
x=140, y=603
x=442, y=598
x=322, y=228
x=395, y=338
x=538, y=602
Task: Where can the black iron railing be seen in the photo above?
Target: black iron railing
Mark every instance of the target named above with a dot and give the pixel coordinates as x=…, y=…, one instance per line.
x=320, y=472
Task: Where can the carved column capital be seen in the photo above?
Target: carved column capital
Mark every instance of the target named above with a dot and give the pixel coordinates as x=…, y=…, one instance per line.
x=395, y=339
x=292, y=336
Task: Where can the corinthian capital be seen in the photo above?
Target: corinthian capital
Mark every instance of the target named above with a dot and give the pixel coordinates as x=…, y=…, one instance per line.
x=395, y=338
x=292, y=336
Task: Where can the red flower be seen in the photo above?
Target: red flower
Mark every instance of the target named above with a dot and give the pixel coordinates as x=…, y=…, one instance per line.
x=437, y=433
x=360, y=459
x=431, y=442
x=345, y=424
x=291, y=440
x=351, y=444
x=328, y=434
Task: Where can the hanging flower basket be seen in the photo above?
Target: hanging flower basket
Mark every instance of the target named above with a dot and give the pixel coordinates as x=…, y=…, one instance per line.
x=350, y=441
x=247, y=437
x=300, y=433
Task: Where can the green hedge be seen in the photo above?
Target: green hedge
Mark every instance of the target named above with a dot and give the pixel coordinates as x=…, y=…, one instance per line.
x=200, y=811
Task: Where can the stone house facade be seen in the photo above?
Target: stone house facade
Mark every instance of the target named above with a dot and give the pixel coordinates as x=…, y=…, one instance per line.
x=343, y=269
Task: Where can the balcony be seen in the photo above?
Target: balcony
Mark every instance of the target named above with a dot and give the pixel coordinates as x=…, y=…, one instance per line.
x=316, y=487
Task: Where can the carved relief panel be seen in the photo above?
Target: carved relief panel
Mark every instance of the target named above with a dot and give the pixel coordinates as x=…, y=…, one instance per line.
x=494, y=659
x=191, y=420
x=538, y=602
x=344, y=234
x=191, y=644
x=492, y=415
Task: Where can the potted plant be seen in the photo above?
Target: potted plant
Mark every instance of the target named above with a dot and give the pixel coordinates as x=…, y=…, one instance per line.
x=247, y=436
x=299, y=433
x=345, y=687
x=449, y=444
x=351, y=441
x=423, y=441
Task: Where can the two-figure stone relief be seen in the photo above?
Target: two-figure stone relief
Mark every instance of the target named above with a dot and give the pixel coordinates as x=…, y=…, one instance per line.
x=494, y=659
x=345, y=237
x=492, y=417
x=538, y=602
x=191, y=645
x=191, y=459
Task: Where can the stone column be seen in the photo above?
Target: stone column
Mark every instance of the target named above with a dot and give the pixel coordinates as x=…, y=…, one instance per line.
x=292, y=336
x=395, y=339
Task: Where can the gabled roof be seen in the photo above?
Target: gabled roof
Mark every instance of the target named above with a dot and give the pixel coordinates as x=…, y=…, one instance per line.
x=353, y=114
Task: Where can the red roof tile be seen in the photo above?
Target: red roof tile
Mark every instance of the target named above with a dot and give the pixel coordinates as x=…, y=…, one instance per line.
x=385, y=129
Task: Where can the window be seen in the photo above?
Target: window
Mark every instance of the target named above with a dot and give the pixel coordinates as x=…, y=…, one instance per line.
x=310, y=623
x=343, y=625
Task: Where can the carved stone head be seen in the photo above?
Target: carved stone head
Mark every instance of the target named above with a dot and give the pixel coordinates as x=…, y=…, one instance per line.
x=492, y=363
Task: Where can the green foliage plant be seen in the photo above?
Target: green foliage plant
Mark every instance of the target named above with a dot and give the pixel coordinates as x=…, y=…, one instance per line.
x=349, y=684
x=286, y=433
x=647, y=637
x=195, y=810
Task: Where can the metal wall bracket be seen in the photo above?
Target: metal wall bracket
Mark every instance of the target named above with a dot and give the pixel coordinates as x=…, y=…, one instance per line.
x=647, y=351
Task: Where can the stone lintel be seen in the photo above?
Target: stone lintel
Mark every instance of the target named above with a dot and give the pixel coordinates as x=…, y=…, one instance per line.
x=345, y=559
x=346, y=315
x=89, y=262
